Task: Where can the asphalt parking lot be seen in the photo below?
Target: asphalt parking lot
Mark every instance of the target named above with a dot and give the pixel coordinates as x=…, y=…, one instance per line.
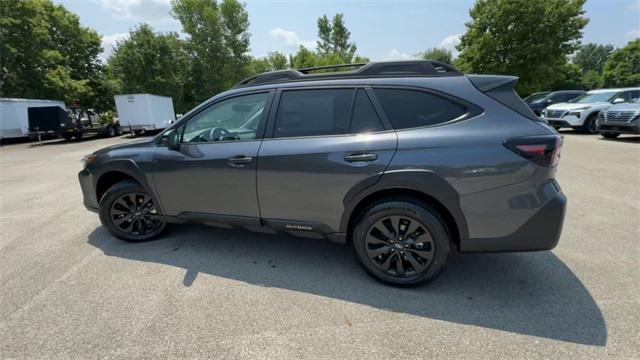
x=70, y=290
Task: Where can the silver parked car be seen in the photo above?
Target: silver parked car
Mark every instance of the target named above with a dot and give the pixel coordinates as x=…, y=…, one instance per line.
x=620, y=119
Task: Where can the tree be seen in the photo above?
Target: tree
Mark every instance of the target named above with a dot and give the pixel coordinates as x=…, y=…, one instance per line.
x=623, y=67
x=218, y=44
x=529, y=39
x=272, y=62
x=592, y=57
x=46, y=53
x=439, y=54
x=334, y=38
x=153, y=63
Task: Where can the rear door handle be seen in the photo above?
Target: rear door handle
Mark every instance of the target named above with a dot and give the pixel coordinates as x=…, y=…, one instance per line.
x=239, y=160
x=360, y=157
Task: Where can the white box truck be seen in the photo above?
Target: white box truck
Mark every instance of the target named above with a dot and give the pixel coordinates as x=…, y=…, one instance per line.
x=14, y=118
x=144, y=111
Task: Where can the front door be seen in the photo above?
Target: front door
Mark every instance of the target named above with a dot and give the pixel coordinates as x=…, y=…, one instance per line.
x=214, y=169
x=324, y=142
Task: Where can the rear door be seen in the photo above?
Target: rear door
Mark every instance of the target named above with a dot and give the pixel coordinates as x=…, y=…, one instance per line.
x=323, y=141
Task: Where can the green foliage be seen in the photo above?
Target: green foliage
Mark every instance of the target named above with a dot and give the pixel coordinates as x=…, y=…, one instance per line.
x=153, y=63
x=591, y=80
x=107, y=117
x=218, y=44
x=623, y=67
x=529, y=39
x=334, y=39
x=439, y=54
x=272, y=62
x=47, y=53
x=592, y=57
x=569, y=78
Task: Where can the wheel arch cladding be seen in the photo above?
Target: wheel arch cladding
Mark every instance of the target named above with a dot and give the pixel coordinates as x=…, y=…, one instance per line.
x=108, y=179
x=422, y=185
x=114, y=171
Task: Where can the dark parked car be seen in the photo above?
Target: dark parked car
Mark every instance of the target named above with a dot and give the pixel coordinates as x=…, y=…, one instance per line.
x=619, y=119
x=539, y=101
x=407, y=161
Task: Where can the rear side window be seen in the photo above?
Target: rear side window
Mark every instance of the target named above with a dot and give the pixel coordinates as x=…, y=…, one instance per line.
x=313, y=112
x=412, y=108
x=365, y=119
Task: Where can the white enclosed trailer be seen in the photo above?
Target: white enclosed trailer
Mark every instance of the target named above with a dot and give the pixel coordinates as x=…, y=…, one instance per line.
x=14, y=120
x=144, y=111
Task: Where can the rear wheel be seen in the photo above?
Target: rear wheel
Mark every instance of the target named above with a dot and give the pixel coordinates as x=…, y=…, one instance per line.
x=401, y=243
x=610, y=135
x=590, y=125
x=67, y=136
x=129, y=212
x=110, y=131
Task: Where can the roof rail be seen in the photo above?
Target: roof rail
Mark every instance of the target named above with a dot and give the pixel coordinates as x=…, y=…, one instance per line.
x=403, y=68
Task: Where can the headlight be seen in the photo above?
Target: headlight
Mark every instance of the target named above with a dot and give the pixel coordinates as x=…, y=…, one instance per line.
x=88, y=159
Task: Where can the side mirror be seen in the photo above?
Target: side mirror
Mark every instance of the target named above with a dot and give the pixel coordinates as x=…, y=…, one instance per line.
x=171, y=139
x=618, y=100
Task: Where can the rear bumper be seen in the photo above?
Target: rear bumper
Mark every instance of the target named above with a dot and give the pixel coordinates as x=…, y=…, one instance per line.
x=88, y=193
x=541, y=232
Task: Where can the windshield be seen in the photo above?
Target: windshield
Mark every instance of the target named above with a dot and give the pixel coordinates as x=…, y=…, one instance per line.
x=537, y=97
x=594, y=97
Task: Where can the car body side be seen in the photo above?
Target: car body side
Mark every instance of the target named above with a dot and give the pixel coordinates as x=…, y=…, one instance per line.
x=491, y=198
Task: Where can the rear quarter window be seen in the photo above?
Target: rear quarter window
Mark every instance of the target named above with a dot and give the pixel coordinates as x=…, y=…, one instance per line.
x=413, y=108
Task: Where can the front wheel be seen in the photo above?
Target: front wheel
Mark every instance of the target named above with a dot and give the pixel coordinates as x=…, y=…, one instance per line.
x=401, y=243
x=590, y=125
x=129, y=212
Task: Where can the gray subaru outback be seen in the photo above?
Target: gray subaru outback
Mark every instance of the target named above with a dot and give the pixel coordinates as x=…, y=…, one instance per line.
x=407, y=161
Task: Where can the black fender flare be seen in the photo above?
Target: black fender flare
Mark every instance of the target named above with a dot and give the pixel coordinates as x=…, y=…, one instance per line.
x=423, y=181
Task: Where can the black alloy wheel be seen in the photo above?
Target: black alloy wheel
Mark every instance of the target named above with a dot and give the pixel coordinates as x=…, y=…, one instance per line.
x=135, y=215
x=400, y=246
x=401, y=241
x=130, y=213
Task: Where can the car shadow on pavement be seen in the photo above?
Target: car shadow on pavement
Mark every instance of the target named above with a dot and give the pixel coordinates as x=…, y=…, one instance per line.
x=525, y=293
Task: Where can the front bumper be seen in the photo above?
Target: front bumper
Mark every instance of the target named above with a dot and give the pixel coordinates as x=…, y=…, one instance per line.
x=566, y=121
x=88, y=191
x=541, y=232
x=619, y=127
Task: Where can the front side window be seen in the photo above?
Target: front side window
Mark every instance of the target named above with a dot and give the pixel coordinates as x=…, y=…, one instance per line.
x=313, y=112
x=412, y=108
x=237, y=118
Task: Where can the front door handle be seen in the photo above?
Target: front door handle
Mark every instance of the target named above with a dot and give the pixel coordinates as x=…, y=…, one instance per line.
x=239, y=160
x=360, y=157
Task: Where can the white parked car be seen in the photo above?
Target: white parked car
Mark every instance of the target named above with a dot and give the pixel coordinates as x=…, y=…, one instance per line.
x=581, y=113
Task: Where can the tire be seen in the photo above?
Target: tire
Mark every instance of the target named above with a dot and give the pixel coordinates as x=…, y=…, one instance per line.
x=590, y=125
x=132, y=219
x=67, y=136
x=429, y=250
x=610, y=135
x=110, y=131
x=118, y=130
x=77, y=135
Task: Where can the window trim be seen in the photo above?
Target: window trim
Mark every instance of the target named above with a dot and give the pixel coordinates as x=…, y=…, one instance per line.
x=260, y=132
x=472, y=110
x=271, y=123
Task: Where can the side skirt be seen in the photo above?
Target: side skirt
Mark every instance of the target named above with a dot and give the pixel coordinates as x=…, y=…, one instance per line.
x=269, y=226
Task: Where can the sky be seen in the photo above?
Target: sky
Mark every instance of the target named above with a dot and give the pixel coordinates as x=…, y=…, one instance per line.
x=382, y=29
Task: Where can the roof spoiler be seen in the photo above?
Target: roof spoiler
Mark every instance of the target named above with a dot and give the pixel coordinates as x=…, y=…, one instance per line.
x=502, y=89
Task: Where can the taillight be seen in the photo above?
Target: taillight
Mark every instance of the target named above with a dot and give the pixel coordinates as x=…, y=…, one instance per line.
x=543, y=150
